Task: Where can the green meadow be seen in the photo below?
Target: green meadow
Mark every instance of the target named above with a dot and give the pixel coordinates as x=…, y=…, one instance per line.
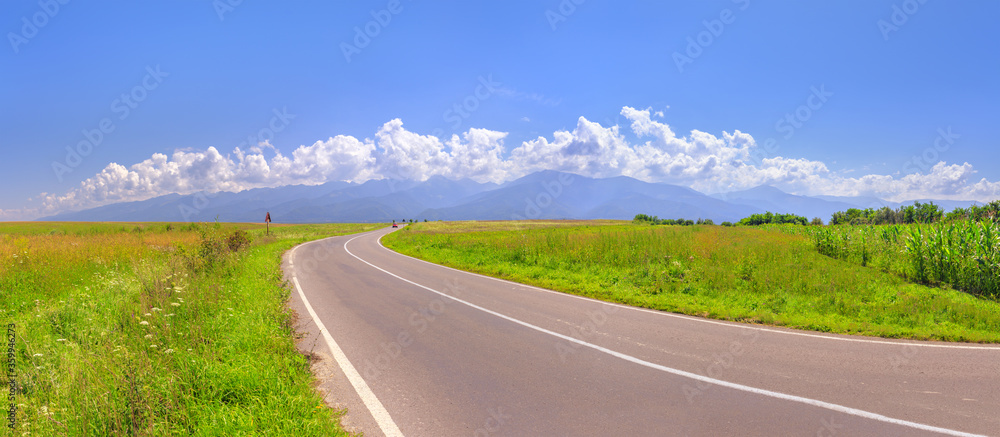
x=750, y=274
x=157, y=329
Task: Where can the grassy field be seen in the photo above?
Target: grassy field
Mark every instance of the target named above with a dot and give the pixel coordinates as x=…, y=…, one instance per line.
x=157, y=329
x=732, y=273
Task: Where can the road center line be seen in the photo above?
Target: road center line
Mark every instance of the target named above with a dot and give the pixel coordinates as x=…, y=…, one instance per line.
x=371, y=401
x=678, y=372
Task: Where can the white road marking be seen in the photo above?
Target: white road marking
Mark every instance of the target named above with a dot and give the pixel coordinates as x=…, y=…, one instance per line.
x=371, y=401
x=678, y=372
x=703, y=320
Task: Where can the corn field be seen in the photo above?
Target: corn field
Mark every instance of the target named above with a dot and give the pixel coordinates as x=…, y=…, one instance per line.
x=962, y=254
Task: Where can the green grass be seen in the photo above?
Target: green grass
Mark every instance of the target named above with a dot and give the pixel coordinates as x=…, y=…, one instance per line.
x=739, y=273
x=157, y=329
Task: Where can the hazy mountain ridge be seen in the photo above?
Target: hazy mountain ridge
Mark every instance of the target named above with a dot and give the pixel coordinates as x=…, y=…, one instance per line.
x=542, y=195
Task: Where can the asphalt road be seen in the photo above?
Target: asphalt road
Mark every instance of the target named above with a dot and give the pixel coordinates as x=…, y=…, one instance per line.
x=412, y=348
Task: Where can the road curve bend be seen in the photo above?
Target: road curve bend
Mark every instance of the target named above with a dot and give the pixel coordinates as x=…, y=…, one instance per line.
x=416, y=349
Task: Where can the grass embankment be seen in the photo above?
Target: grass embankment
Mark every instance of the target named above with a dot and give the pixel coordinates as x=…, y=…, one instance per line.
x=740, y=273
x=157, y=329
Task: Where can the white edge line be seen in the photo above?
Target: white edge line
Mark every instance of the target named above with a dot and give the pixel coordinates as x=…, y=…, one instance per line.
x=704, y=320
x=366, y=394
x=682, y=373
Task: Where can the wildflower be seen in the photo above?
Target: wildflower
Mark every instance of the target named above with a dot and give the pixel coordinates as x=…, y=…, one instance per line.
x=168, y=351
x=149, y=336
x=155, y=309
x=170, y=315
x=153, y=346
x=60, y=339
x=143, y=322
x=175, y=304
x=37, y=355
x=148, y=315
x=230, y=309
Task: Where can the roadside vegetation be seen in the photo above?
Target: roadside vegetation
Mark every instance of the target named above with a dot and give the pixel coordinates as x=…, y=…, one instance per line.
x=743, y=273
x=959, y=250
x=157, y=329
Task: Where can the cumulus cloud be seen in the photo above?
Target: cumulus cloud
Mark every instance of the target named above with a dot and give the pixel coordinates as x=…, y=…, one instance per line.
x=701, y=160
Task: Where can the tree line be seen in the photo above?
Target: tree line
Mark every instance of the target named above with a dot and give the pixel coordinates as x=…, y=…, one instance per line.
x=921, y=213
x=654, y=220
x=917, y=213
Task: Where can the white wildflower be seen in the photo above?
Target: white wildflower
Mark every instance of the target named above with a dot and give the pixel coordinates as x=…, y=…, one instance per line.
x=143, y=322
x=155, y=309
x=168, y=351
x=175, y=304
x=60, y=339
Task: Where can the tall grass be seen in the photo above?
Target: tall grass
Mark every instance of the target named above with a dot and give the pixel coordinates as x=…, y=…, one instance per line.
x=157, y=329
x=962, y=254
x=735, y=273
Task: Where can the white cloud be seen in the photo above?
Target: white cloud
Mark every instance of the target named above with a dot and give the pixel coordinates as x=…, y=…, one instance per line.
x=700, y=160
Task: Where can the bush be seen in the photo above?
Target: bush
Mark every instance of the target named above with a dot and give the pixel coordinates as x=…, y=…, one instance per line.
x=773, y=219
x=216, y=247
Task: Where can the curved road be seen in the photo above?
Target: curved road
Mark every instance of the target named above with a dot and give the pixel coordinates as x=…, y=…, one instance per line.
x=416, y=349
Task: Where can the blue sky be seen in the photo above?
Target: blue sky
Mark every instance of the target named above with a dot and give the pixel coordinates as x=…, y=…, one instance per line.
x=904, y=94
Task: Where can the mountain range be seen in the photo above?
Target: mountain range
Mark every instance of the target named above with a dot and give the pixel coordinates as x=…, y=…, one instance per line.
x=542, y=195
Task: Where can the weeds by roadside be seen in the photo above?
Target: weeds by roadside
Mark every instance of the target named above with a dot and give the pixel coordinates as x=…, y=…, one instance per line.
x=157, y=329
